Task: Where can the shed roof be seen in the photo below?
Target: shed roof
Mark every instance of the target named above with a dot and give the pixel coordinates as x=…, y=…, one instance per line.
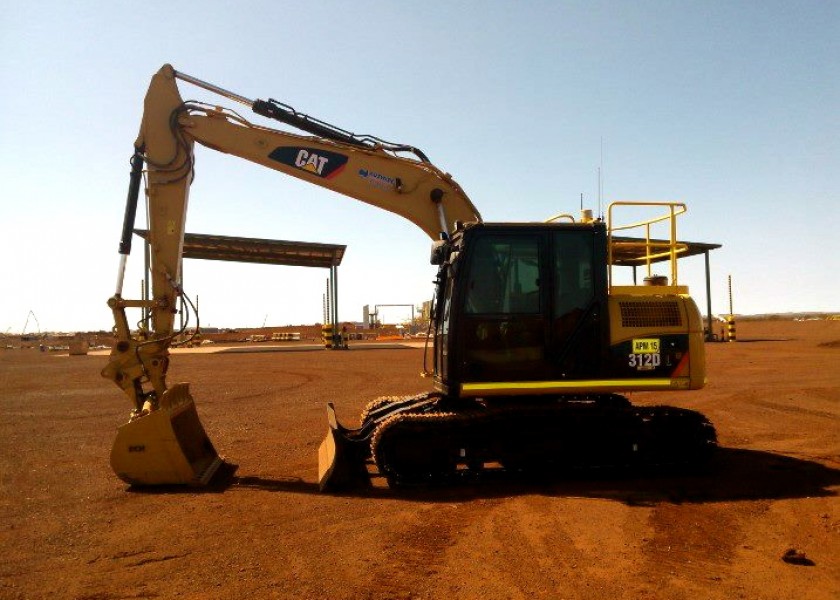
x=628, y=251
x=255, y=250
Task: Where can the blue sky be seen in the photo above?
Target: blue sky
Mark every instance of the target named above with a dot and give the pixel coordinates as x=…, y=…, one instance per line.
x=729, y=107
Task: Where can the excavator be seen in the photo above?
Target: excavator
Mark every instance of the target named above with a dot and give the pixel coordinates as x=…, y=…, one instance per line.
x=533, y=341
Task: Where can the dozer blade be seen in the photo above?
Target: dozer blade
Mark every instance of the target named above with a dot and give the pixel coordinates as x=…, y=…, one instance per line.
x=341, y=460
x=166, y=446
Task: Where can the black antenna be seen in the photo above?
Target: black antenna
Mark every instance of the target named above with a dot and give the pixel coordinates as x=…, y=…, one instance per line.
x=599, y=191
x=601, y=182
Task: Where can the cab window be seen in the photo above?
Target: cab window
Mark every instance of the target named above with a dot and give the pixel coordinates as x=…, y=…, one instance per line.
x=574, y=288
x=504, y=276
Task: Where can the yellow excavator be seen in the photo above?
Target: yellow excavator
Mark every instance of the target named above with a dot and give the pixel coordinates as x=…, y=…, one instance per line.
x=533, y=343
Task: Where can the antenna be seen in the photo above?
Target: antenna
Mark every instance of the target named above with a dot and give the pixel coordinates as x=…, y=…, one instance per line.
x=601, y=181
x=599, y=191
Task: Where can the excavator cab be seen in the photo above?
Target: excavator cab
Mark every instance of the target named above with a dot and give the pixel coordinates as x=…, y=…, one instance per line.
x=522, y=302
x=528, y=309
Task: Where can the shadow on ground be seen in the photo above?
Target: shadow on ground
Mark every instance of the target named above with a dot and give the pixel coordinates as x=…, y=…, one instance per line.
x=733, y=475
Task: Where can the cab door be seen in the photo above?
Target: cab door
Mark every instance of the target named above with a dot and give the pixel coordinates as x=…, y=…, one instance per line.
x=503, y=322
x=578, y=301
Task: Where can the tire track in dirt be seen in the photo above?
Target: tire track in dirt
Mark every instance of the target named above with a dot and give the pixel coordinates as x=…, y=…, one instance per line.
x=553, y=559
x=418, y=551
x=543, y=547
x=794, y=410
x=137, y=558
x=696, y=542
x=283, y=381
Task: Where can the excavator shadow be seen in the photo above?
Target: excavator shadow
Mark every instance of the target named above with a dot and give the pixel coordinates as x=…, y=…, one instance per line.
x=733, y=475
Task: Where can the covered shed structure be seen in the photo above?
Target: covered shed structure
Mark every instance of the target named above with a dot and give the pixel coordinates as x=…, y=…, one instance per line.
x=264, y=251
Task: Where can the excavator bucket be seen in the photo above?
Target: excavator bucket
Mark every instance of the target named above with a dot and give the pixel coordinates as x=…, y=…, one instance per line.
x=341, y=458
x=166, y=446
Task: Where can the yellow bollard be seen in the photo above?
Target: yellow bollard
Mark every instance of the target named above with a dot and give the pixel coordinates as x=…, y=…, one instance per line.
x=327, y=335
x=730, y=329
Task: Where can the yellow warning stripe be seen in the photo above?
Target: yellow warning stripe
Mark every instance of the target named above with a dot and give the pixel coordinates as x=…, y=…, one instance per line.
x=523, y=387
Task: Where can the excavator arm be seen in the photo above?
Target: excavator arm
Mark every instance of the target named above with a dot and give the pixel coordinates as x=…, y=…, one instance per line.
x=360, y=167
x=164, y=441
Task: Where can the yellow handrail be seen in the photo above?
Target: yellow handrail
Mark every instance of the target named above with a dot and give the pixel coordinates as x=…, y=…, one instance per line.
x=652, y=248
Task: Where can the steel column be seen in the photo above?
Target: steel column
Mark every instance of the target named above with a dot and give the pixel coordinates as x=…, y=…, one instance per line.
x=708, y=299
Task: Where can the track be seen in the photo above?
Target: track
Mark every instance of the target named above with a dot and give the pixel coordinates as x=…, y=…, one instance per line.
x=428, y=444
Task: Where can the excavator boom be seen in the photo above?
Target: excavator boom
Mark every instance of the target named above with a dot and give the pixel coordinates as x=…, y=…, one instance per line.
x=164, y=441
x=361, y=167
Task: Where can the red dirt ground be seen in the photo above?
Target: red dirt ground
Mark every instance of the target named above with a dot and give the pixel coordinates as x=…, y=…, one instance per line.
x=70, y=529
